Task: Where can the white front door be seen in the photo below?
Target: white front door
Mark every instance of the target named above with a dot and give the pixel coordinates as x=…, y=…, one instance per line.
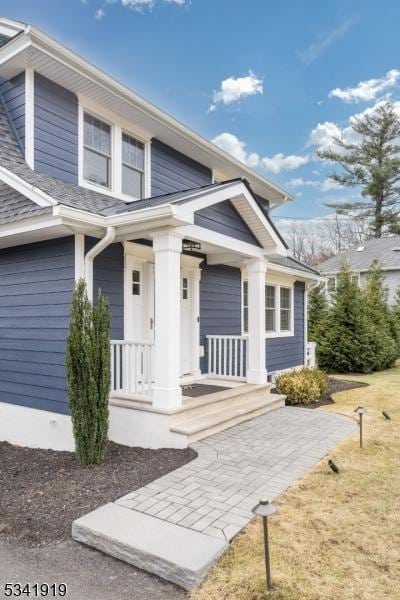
x=139, y=290
x=139, y=305
x=186, y=323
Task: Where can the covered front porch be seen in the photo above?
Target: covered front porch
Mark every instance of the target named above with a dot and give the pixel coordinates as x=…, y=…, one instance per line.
x=167, y=343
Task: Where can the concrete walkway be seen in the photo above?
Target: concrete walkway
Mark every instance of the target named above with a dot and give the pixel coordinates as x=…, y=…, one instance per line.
x=208, y=501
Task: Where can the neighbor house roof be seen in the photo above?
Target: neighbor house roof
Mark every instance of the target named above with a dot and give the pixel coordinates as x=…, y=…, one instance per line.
x=360, y=258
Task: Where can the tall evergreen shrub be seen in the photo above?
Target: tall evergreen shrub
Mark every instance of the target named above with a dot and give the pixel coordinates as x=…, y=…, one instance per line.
x=344, y=343
x=317, y=311
x=383, y=343
x=88, y=374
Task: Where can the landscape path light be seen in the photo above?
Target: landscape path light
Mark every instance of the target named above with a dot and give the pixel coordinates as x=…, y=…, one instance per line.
x=360, y=410
x=264, y=509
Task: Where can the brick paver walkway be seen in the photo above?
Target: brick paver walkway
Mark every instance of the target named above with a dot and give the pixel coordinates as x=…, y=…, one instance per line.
x=258, y=459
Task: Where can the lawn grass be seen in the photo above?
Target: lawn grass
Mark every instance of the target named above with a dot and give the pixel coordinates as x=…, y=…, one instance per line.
x=336, y=537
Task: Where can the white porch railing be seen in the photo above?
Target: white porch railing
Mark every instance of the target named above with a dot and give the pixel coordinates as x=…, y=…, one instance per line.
x=132, y=367
x=227, y=356
x=310, y=355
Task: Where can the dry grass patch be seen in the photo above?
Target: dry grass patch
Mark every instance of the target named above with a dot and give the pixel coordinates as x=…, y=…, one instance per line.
x=336, y=536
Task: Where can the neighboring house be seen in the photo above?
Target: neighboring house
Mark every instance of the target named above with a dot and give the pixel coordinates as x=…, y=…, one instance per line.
x=386, y=251
x=96, y=182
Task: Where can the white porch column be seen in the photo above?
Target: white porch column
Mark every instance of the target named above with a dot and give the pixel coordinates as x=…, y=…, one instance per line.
x=167, y=246
x=256, y=372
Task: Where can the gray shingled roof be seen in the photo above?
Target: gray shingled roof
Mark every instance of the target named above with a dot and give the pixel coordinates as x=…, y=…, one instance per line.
x=14, y=206
x=292, y=263
x=385, y=250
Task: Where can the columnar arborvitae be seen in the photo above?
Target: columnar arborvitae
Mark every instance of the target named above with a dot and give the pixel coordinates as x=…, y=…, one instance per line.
x=345, y=341
x=383, y=344
x=88, y=374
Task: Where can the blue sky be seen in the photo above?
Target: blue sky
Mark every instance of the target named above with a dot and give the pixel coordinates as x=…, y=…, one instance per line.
x=270, y=81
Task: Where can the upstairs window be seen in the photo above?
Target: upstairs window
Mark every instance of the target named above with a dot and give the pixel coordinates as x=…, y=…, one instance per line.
x=96, y=151
x=132, y=166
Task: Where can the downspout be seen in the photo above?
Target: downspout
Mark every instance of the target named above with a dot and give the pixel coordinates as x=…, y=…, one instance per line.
x=91, y=255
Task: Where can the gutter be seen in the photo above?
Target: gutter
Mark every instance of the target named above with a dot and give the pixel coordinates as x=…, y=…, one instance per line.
x=91, y=255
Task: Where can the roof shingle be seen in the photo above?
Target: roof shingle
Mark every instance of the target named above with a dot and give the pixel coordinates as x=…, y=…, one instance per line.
x=385, y=250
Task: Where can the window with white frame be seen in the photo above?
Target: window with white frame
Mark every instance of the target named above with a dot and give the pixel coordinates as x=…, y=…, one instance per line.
x=133, y=161
x=285, y=309
x=270, y=308
x=96, y=151
x=278, y=309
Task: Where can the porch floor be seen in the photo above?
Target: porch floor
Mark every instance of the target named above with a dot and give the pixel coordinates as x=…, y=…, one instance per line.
x=180, y=524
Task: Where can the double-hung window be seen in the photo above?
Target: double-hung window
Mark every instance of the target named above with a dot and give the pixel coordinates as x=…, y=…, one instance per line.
x=285, y=308
x=133, y=161
x=96, y=151
x=270, y=308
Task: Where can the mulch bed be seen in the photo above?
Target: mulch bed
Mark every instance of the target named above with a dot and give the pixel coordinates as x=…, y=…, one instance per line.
x=43, y=491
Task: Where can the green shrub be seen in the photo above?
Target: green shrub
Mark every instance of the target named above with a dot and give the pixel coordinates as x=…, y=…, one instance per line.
x=88, y=374
x=302, y=387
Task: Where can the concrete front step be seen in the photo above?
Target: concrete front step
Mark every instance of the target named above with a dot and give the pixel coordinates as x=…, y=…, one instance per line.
x=224, y=416
x=175, y=553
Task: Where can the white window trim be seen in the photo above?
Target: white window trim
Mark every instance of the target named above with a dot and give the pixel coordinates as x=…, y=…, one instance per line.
x=277, y=333
x=118, y=125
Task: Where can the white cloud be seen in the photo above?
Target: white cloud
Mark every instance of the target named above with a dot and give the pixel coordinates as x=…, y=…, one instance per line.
x=280, y=162
x=140, y=5
x=322, y=136
x=100, y=14
x=323, y=42
x=237, y=148
x=368, y=90
x=234, y=89
x=324, y=186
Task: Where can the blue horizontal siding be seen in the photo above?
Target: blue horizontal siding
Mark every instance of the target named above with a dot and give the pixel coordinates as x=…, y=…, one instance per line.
x=220, y=314
x=56, y=130
x=108, y=276
x=286, y=352
x=224, y=218
x=220, y=304
x=13, y=94
x=36, y=283
x=172, y=171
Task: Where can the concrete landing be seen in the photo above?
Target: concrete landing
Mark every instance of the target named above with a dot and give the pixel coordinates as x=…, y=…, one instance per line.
x=175, y=553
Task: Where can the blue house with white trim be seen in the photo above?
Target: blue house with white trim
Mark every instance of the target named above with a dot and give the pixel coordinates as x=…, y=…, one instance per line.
x=96, y=182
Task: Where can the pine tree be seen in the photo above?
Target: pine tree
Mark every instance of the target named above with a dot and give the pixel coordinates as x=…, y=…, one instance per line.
x=372, y=162
x=88, y=374
x=345, y=341
x=383, y=346
x=317, y=311
x=395, y=320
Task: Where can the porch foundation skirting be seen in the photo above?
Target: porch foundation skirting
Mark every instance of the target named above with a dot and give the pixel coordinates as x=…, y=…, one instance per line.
x=34, y=428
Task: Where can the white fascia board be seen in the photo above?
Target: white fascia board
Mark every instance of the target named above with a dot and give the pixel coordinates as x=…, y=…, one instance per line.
x=13, y=47
x=9, y=27
x=229, y=192
x=145, y=215
x=26, y=189
x=29, y=224
x=51, y=47
x=300, y=275
x=222, y=241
